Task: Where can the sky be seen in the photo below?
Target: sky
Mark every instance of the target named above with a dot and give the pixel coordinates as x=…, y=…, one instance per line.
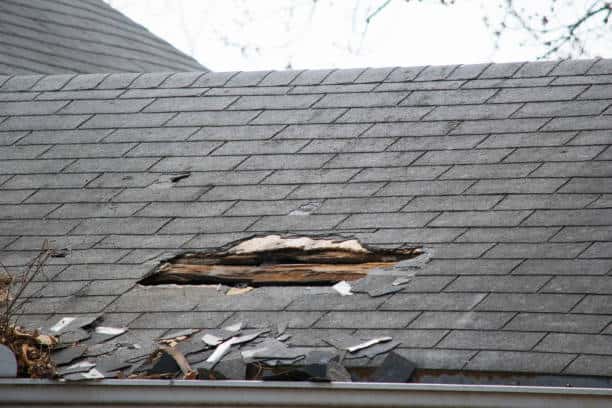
x=300, y=34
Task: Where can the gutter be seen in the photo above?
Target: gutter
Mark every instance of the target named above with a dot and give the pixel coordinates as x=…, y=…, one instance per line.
x=168, y=393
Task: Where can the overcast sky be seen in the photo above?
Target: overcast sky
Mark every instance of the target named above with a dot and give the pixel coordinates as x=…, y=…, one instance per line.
x=275, y=34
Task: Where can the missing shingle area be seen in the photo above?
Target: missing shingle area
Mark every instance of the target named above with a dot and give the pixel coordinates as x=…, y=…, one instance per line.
x=275, y=260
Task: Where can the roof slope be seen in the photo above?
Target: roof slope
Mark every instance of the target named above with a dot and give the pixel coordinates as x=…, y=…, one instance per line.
x=504, y=170
x=86, y=36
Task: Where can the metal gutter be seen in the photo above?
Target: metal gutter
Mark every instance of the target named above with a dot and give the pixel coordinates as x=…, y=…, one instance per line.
x=163, y=393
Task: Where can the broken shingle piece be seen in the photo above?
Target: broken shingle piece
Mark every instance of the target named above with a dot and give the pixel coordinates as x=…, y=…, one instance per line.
x=394, y=368
x=377, y=285
x=66, y=324
x=74, y=336
x=80, y=367
x=68, y=355
x=271, y=349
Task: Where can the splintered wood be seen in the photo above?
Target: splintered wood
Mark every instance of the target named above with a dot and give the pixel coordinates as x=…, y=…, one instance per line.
x=273, y=260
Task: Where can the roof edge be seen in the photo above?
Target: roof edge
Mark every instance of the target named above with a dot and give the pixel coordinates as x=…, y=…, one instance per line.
x=277, y=394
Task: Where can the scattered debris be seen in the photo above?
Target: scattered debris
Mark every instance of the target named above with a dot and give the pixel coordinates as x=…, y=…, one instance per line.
x=368, y=343
x=238, y=291
x=343, y=288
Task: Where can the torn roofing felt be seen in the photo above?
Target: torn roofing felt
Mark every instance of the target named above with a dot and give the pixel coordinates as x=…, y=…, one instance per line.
x=501, y=171
x=86, y=36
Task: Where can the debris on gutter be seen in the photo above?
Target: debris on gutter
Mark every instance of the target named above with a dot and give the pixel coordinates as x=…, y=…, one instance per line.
x=233, y=352
x=274, y=260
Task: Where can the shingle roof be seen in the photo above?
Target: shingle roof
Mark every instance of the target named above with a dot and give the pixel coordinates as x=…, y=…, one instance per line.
x=503, y=170
x=84, y=36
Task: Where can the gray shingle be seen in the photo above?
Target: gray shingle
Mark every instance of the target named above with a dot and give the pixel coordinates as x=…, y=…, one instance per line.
x=522, y=302
x=534, y=234
x=501, y=340
x=575, y=169
x=182, y=164
x=461, y=320
x=144, y=241
x=418, y=236
x=106, y=106
x=203, y=103
x=500, y=126
x=536, y=69
x=531, y=250
x=365, y=320
x=110, y=164
x=291, y=223
x=32, y=166
x=275, y=102
x=511, y=361
x=400, y=173
x=480, y=219
x=595, y=304
x=65, y=136
x=361, y=205
x=433, y=301
x=576, y=343
x=276, y=78
x=176, y=209
x=553, y=322
x=485, y=171
x=564, y=267
x=173, y=149
x=260, y=147
x=210, y=118
x=572, y=67
x=584, y=234
x=387, y=220
x=435, y=142
x=310, y=176
x=120, y=226
x=551, y=154
x=474, y=156
x=444, y=203
x=587, y=185
x=271, y=192
x=178, y=320
x=350, y=100
x=527, y=139
x=207, y=225
x=312, y=191
x=516, y=186
x=598, y=250
x=558, y=93
x=159, y=194
x=236, y=133
x=31, y=108
x=86, y=150
x=424, y=188
x=149, y=80
x=36, y=227
x=569, y=217
x=580, y=123
x=283, y=161
x=274, y=117
x=590, y=365
x=126, y=120
x=252, y=208
x=505, y=70
x=522, y=284
x=453, y=97
x=574, y=108
x=95, y=210
x=72, y=195
x=321, y=131
x=438, y=128
x=343, y=160
x=472, y=112
x=16, y=212
x=46, y=122
x=396, y=114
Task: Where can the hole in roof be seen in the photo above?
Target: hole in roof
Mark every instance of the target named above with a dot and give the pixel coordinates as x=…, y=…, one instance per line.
x=274, y=260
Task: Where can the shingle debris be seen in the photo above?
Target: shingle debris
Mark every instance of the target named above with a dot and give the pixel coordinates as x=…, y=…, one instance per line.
x=233, y=352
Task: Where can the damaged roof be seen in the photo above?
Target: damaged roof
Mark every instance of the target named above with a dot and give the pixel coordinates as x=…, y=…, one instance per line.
x=80, y=36
x=502, y=171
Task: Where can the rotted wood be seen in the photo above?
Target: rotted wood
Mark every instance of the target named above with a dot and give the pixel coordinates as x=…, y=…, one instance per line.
x=279, y=267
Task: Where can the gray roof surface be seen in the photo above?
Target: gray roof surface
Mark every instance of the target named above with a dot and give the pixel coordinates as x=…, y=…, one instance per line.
x=83, y=36
x=503, y=170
